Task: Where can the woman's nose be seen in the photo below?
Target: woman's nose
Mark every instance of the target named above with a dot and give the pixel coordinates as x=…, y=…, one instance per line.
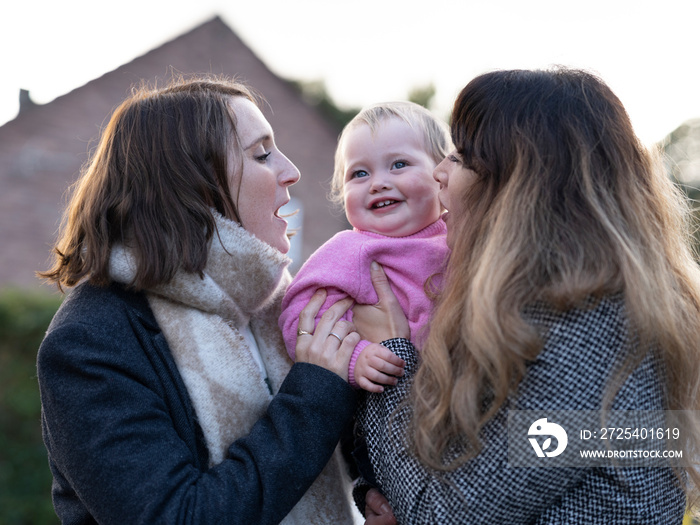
x=290, y=173
x=438, y=173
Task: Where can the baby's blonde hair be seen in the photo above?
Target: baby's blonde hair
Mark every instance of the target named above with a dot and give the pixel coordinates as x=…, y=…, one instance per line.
x=436, y=135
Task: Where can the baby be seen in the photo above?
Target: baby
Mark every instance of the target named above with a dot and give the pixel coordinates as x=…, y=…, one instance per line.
x=383, y=175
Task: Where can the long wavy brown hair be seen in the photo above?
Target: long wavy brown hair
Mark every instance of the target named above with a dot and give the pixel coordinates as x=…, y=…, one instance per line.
x=567, y=204
x=160, y=167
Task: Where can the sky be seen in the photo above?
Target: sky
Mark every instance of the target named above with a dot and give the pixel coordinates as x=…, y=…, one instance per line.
x=369, y=51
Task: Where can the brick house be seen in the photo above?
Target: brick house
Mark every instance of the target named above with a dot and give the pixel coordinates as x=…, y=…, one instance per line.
x=43, y=148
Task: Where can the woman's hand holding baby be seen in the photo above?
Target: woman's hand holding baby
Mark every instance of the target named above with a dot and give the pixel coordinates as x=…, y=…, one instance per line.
x=377, y=365
x=331, y=343
x=385, y=319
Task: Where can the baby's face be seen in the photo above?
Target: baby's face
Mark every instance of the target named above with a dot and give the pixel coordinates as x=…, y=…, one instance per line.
x=389, y=185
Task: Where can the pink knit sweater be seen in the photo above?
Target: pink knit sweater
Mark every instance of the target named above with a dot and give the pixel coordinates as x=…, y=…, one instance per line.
x=341, y=266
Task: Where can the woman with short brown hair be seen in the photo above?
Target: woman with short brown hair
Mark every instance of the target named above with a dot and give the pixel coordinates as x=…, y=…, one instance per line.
x=167, y=392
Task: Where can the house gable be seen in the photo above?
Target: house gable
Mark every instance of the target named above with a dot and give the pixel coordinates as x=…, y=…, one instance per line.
x=43, y=148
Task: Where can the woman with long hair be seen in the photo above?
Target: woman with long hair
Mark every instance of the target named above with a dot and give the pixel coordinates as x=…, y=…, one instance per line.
x=571, y=285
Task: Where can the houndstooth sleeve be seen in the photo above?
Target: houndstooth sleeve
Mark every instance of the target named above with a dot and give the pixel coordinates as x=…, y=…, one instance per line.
x=582, y=348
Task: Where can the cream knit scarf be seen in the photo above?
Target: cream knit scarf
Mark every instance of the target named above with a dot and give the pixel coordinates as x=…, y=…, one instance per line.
x=244, y=280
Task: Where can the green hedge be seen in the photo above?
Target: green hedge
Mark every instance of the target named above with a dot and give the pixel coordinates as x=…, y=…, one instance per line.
x=25, y=479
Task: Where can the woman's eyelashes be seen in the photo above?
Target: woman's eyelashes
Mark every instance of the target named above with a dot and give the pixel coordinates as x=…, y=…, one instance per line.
x=263, y=158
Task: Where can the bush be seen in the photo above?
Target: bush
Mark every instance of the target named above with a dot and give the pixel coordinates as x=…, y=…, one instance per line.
x=25, y=479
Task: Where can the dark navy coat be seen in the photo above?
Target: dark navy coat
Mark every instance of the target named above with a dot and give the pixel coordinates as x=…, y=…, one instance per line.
x=122, y=437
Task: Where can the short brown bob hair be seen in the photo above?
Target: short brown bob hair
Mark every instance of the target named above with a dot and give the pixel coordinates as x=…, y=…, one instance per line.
x=160, y=167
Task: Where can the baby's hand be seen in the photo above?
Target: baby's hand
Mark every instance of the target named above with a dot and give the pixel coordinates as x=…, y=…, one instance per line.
x=377, y=366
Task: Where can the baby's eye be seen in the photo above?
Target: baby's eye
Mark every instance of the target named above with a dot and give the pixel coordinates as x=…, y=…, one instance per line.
x=399, y=164
x=359, y=173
